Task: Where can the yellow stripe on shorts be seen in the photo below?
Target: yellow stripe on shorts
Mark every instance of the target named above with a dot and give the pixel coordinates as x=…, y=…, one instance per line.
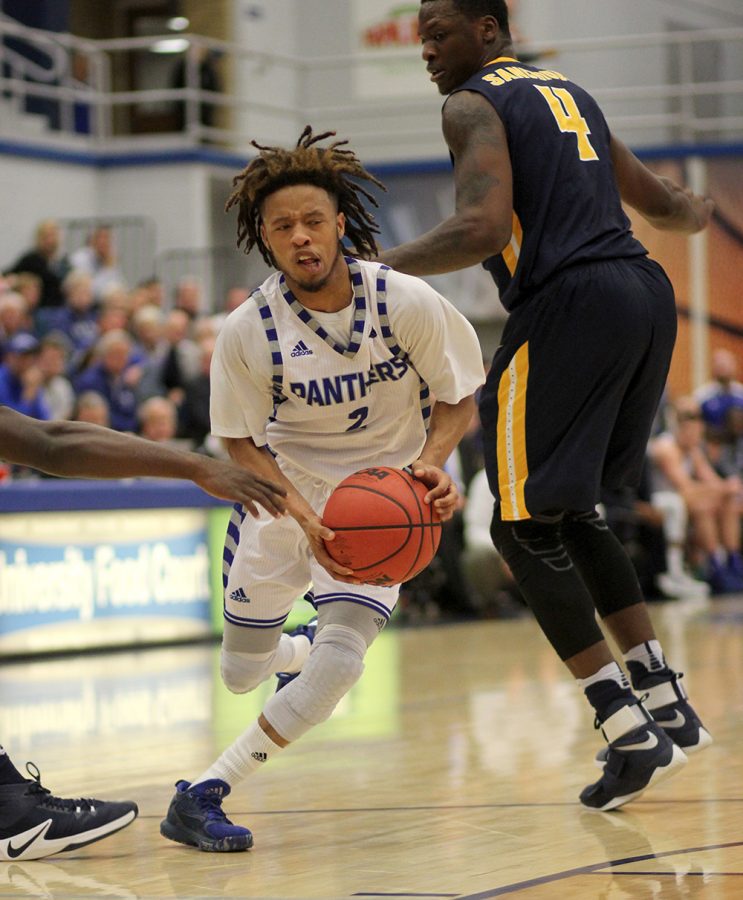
x=513, y=468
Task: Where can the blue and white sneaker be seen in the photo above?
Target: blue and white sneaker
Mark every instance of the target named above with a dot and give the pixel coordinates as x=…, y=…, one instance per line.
x=309, y=630
x=35, y=824
x=640, y=754
x=195, y=817
x=668, y=704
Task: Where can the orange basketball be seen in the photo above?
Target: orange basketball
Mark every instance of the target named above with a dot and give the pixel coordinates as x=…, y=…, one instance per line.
x=383, y=529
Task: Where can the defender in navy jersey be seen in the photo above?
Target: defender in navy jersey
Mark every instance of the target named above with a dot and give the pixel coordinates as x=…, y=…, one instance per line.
x=570, y=398
x=329, y=367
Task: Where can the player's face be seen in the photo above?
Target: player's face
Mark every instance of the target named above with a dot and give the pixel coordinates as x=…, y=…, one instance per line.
x=453, y=46
x=302, y=228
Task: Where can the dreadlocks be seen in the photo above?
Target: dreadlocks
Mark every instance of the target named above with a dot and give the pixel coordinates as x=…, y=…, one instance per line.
x=329, y=168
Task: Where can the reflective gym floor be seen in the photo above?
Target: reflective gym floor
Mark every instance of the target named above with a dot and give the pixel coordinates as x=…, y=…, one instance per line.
x=451, y=771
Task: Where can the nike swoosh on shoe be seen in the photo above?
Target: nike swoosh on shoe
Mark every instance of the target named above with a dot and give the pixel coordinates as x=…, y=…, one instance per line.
x=16, y=852
x=678, y=721
x=650, y=743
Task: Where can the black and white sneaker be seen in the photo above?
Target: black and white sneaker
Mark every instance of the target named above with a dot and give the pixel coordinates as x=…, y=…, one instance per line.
x=640, y=754
x=668, y=704
x=35, y=824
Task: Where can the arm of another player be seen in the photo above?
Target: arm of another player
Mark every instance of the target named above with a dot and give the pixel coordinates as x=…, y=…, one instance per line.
x=449, y=422
x=77, y=449
x=245, y=452
x=483, y=219
x=665, y=204
x=443, y=347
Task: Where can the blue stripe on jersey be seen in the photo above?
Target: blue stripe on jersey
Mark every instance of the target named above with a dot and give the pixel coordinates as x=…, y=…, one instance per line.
x=393, y=346
x=384, y=320
x=359, y=599
x=277, y=360
x=232, y=539
x=359, y=318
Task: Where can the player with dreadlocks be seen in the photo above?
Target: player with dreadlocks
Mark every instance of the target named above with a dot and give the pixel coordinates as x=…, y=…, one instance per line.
x=326, y=369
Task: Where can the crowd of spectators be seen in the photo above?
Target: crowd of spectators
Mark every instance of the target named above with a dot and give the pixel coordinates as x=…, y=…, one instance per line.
x=77, y=342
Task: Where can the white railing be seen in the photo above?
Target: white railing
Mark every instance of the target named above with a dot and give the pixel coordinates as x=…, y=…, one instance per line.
x=685, y=110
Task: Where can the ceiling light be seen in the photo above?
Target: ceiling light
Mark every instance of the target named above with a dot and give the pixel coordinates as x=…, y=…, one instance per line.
x=178, y=23
x=170, y=45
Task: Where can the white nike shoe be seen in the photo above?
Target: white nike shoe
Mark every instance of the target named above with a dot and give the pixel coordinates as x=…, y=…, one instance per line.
x=640, y=754
x=35, y=824
x=682, y=586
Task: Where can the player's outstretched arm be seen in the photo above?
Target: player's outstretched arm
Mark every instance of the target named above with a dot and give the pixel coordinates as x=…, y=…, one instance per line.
x=77, y=449
x=665, y=204
x=483, y=219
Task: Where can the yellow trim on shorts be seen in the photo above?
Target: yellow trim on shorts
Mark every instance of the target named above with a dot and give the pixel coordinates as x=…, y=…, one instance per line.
x=513, y=467
x=512, y=251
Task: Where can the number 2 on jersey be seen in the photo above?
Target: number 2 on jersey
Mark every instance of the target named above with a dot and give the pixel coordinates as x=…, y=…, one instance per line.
x=359, y=417
x=568, y=118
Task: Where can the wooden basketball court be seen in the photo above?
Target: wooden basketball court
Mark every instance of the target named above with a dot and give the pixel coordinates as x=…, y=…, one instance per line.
x=451, y=771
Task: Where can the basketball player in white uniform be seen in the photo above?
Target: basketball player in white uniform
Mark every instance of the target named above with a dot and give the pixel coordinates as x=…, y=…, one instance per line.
x=329, y=367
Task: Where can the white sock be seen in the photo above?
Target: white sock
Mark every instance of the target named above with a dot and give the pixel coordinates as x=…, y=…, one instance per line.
x=675, y=560
x=249, y=752
x=609, y=672
x=300, y=646
x=650, y=654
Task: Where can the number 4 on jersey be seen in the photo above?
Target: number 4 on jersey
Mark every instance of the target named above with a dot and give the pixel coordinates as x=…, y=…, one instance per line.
x=568, y=118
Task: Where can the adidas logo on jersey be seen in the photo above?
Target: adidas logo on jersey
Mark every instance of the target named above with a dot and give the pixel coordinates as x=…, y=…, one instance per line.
x=261, y=757
x=301, y=350
x=240, y=596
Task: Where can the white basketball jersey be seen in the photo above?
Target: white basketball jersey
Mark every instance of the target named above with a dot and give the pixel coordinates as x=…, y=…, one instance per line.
x=341, y=408
x=329, y=405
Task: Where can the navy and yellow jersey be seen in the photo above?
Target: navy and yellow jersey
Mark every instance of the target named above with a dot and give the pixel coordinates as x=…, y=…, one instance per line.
x=566, y=204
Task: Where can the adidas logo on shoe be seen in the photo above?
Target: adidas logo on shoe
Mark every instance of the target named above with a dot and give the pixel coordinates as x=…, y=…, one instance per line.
x=240, y=596
x=261, y=757
x=301, y=350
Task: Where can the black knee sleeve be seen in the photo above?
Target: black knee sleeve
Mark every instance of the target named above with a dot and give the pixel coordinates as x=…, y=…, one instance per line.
x=602, y=562
x=550, y=582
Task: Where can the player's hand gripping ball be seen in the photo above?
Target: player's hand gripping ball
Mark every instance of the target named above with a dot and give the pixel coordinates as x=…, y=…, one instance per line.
x=383, y=529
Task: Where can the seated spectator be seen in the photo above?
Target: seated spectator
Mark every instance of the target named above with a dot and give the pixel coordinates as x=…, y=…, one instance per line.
x=78, y=318
x=93, y=408
x=194, y=411
x=29, y=287
x=148, y=327
x=189, y=296
x=182, y=360
x=14, y=317
x=57, y=391
x=712, y=502
x=44, y=259
x=158, y=421
x=114, y=374
x=154, y=291
x=652, y=528
x=717, y=396
x=98, y=260
x=21, y=378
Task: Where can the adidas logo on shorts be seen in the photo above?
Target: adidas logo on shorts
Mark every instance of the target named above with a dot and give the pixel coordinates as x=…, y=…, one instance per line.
x=261, y=757
x=301, y=350
x=240, y=596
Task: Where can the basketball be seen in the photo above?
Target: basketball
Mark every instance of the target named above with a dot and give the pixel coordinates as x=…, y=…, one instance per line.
x=383, y=529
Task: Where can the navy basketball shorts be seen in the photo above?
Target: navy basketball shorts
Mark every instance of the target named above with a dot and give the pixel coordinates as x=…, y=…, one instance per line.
x=570, y=399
